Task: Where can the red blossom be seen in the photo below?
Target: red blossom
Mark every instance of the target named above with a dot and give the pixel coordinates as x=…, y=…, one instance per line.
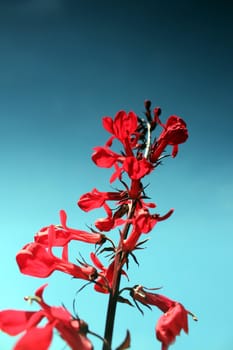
x=123, y=127
x=96, y=199
x=137, y=168
x=92, y=200
x=170, y=325
x=61, y=235
x=105, y=158
x=140, y=294
x=175, y=132
x=174, y=319
x=36, y=260
x=143, y=222
x=108, y=223
x=14, y=322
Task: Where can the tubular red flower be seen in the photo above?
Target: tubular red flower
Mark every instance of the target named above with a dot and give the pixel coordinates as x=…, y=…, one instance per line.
x=136, y=169
x=123, y=127
x=14, y=322
x=143, y=222
x=96, y=199
x=92, y=200
x=108, y=223
x=174, y=319
x=35, y=260
x=105, y=158
x=171, y=323
x=140, y=294
x=60, y=235
x=175, y=132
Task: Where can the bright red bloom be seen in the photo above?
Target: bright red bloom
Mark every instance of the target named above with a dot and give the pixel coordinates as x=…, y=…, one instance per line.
x=36, y=260
x=123, y=127
x=174, y=319
x=96, y=199
x=62, y=234
x=140, y=294
x=175, y=132
x=108, y=223
x=14, y=322
x=105, y=158
x=170, y=325
x=137, y=168
x=143, y=222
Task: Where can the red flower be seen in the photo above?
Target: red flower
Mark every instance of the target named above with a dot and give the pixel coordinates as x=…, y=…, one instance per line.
x=163, y=303
x=175, y=132
x=170, y=325
x=38, y=261
x=61, y=235
x=105, y=158
x=108, y=223
x=96, y=199
x=143, y=222
x=137, y=168
x=123, y=127
x=14, y=322
x=174, y=319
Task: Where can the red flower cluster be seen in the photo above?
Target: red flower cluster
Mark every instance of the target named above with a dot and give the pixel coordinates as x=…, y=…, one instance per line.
x=126, y=209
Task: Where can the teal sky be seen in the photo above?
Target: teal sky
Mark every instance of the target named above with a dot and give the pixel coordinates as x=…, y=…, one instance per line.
x=63, y=66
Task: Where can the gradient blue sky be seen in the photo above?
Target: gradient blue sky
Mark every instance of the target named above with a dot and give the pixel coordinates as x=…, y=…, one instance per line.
x=64, y=65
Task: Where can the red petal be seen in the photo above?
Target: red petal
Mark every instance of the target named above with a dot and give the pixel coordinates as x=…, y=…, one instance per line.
x=36, y=339
x=108, y=124
x=14, y=322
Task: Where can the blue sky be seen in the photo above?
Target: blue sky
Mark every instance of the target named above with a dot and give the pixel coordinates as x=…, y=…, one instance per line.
x=64, y=65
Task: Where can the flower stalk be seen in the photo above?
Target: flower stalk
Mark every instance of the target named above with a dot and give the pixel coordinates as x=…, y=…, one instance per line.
x=132, y=217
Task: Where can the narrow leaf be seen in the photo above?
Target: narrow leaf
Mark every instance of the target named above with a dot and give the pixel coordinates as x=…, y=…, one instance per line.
x=126, y=342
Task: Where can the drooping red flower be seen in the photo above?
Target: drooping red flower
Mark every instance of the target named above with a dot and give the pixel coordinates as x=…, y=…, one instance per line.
x=61, y=235
x=96, y=199
x=174, y=319
x=170, y=325
x=38, y=337
x=162, y=302
x=36, y=260
x=175, y=132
